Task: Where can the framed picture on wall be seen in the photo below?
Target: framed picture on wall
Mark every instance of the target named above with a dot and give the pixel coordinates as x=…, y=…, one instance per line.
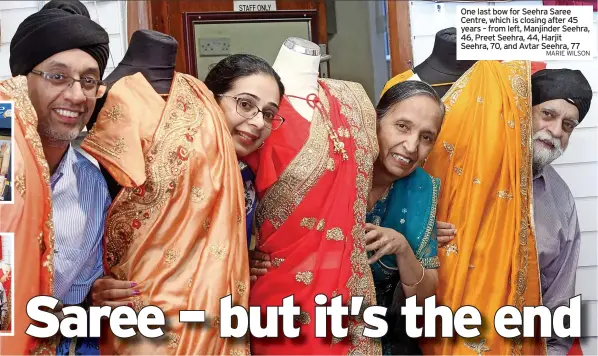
x=211, y=37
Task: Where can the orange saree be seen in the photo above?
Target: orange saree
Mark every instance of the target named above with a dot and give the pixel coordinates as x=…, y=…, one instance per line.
x=483, y=158
x=30, y=218
x=313, y=180
x=177, y=228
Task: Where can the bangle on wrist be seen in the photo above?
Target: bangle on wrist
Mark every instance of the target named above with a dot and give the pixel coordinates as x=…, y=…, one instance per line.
x=418, y=282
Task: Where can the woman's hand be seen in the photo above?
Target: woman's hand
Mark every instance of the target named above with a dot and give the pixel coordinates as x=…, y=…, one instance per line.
x=384, y=241
x=446, y=232
x=259, y=263
x=107, y=290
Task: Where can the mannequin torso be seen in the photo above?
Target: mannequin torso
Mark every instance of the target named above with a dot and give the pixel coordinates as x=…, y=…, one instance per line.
x=152, y=54
x=298, y=64
x=442, y=67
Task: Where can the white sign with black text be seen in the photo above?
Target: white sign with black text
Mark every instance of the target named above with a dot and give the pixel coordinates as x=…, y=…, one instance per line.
x=257, y=5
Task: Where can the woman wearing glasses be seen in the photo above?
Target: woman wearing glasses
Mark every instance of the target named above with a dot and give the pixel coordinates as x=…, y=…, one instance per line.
x=177, y=240
x=248, y=91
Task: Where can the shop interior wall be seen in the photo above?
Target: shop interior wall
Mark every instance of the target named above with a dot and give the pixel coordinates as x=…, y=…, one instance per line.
x=357, y=49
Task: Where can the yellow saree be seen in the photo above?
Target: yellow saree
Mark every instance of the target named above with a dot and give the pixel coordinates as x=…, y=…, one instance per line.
x=177, y=228
x=483, y=159
x=30, y=219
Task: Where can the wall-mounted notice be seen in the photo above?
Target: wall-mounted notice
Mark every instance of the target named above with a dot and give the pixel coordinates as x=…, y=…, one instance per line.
x=255, y=5
x=536, y=33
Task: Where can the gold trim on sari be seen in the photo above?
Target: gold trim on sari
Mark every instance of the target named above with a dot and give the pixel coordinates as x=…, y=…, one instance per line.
x=30, y=219
x=484, y=158
x=177, y=228
x=294, y=214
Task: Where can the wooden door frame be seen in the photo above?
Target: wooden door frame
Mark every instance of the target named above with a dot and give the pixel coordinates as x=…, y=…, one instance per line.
x=399, y=36
x=158, y=15
x=139, y=16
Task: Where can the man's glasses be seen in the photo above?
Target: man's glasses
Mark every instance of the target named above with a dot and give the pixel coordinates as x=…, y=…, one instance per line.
x=92, y=88
x=249, y=110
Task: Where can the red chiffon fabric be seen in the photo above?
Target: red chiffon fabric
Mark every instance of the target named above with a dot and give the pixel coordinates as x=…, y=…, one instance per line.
x=279, y=149
x=308, y=259
x=575, y=349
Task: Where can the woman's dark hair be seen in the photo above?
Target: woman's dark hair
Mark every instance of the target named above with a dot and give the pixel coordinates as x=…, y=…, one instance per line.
x=405, y=90
x=225, y=73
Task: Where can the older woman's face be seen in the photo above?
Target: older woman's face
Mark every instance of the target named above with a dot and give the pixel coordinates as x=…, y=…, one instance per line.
x=407, y=133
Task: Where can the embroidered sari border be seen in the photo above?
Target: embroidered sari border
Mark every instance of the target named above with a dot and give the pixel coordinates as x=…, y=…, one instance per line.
x=430, y=224
x=361, y=283
x=25, y=116
x=300, y=175
x=133, y=207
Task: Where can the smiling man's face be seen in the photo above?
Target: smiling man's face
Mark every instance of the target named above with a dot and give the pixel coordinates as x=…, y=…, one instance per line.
x=553, y=122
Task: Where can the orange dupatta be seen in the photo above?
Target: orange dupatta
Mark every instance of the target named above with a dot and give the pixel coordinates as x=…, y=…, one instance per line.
x=30, y=218
x=177, y=228
x=483, y=158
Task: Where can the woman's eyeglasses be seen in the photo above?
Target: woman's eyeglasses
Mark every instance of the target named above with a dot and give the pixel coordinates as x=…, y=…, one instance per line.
x=249, y=110
x=92, y=88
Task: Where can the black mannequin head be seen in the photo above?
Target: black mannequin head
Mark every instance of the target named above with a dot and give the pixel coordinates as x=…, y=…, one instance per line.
x=152, y=54
x=442, y=65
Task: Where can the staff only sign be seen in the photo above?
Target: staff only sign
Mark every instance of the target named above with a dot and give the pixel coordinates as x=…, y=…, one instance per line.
x=251, y=5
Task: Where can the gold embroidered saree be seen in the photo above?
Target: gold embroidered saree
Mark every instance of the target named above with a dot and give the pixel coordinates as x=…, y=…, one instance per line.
x=483, y=158
x=313, y=179
x=177, y=228
x=30, y=219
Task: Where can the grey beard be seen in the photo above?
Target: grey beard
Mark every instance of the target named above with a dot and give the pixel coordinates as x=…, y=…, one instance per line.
x=56, y=139
x=539, y=162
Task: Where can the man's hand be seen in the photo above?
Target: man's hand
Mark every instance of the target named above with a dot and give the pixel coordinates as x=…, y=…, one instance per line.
x=446, y=232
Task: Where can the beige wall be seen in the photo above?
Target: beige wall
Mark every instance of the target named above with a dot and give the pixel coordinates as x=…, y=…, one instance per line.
x=261, y=39
x=350, y=47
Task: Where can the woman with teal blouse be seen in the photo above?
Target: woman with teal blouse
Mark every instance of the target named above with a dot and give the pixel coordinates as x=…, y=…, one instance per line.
x=401, y=219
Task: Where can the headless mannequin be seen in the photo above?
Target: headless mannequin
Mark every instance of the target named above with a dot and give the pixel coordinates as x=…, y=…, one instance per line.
x=442, y=66
x=152, y=54
x=298, y=64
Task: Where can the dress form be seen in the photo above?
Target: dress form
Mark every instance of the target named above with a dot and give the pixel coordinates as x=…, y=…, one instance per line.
x=442, y=66
x=298, y=64
x=152, y=54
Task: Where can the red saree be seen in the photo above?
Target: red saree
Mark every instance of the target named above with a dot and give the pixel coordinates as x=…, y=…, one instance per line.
x=310, y=218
